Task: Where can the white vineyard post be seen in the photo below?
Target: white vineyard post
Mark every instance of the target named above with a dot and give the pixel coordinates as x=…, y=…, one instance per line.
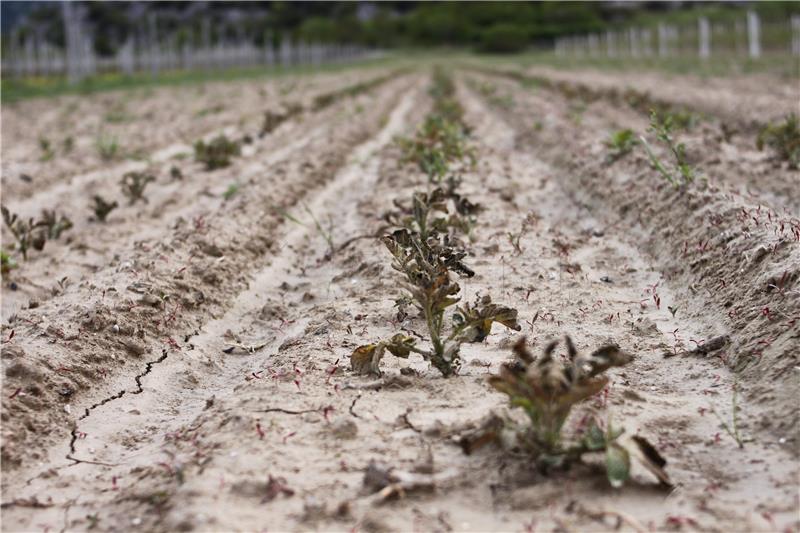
x=72, y=33
x=593, y=41
x=796, y=35
x=634, y=42
x=753, y=35
x=647, y=37
x=663, y=48
x=610, y=51
x=704, y=38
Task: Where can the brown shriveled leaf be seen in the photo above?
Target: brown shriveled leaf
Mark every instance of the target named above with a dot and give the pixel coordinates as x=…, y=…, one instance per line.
x=400, y=345
x=487, y=431
x=477, y=320
x=366, y=359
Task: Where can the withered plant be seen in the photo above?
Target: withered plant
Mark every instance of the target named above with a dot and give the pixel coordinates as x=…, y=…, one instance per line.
x=24, y=232
x=440, y=210
x=217, y=153
x=133, y=185
x=515, y=238
x=102, y=208
x=53, y=224
x=34, y=233
x=426, y=266
x=547, y=389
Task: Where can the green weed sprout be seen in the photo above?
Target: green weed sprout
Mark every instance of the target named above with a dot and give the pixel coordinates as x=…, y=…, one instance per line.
x=663, y=129
x=231, y=191
x=7, y=263
x=47, y=149
x=108, y=147
x=783, y=138
x=620, y=144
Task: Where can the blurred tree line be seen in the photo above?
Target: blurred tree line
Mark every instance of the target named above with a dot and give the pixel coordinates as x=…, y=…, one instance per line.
x=485, y=26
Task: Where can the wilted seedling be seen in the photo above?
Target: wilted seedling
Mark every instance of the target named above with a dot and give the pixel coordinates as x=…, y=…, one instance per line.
x=620, y=144
x=426, y=266
x=133, y=185
x=47, y=149
x=108, y=147
x=273, y=119
x=784, y=139
x=217, y=153
x=53, y=224
x=102, y=208
x=547, y=389
x=515, y=238
x=663, y=130
x=473, y=323
x=24, y=232
x=457, y=212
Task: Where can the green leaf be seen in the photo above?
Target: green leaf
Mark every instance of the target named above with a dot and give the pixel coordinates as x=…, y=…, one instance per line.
x=594, y=439
x=618, y=465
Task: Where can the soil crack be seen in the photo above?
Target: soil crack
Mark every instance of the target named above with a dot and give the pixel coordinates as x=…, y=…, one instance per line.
x=76, y=434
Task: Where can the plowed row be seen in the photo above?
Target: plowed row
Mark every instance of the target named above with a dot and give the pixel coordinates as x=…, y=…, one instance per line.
x=191, y=373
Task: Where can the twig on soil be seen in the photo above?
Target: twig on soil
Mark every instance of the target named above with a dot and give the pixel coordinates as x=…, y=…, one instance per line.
x=394, y=381
x=717, y=343
x=249, y=348
x=353, y=405
x=619, y=515
x=32, y=502
x=286, y=411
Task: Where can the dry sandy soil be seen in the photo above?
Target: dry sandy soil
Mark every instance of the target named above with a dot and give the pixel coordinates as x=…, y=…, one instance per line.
x=184, y=365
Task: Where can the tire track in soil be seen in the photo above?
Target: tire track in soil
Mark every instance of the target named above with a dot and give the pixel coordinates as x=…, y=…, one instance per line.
x=165, y=403
x=680, y=393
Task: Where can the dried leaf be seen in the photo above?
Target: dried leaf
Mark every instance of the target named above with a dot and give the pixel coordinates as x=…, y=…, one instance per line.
x=366, y=359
